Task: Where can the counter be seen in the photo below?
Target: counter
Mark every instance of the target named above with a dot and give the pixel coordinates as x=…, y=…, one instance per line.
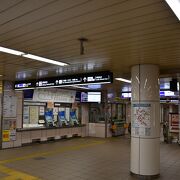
x=42, y=134
x=98, y=130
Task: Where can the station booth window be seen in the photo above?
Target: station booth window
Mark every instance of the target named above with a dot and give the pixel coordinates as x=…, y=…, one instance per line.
x=108, y=115
x=112, y=111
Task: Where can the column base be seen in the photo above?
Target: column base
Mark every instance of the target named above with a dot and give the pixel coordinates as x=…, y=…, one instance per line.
x=145, y=177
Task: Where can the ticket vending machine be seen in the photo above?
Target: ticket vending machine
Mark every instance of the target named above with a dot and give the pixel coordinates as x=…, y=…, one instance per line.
x=73, y=118
x=49, y=118
x=62, y=121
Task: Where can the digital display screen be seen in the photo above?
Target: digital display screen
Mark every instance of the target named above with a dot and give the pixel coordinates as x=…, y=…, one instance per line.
x=84, y=96
x=78, y=96
x=167, y=93
x=94, y=97
x=126, y=95
x=91, y=97
x=28, y=93
x=165, y=85
x=24, y=85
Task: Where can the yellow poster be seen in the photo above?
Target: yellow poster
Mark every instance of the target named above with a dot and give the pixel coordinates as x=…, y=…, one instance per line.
x=6, y=136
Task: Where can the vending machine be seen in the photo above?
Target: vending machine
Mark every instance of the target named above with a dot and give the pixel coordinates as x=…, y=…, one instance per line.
x=73, y=118
x=62, y=119
x=49, y=117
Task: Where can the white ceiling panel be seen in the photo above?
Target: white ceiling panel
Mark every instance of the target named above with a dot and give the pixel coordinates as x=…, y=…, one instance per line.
x=121, y=33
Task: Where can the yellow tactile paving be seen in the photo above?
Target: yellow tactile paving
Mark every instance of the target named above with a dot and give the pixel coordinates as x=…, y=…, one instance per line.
x=17, y=175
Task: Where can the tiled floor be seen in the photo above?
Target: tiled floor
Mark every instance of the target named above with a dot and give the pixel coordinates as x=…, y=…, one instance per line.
x=83, y=159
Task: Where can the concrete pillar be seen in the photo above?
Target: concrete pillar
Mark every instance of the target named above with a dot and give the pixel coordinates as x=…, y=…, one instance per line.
x=145, y=121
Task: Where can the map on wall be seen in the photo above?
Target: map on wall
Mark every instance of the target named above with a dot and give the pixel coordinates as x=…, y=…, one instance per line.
x=141, y=124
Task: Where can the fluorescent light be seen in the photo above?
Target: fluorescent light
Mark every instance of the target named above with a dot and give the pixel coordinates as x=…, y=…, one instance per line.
x=175, y=6
x=11, y=51
x=31, y=56
x=80, y=87
x=93, y=83
x=69, y=85
x=124, y=80
x=23, y=89
x=42, y=59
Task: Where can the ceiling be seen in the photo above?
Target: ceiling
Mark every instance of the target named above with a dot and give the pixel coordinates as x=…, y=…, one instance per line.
x=121, y=33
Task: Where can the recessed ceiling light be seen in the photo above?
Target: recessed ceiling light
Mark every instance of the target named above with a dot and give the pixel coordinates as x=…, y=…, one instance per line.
x=31, y=56
x=124, y=80
x=175, y=6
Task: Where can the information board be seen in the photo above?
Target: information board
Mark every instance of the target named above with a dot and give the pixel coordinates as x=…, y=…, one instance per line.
x=76, y=79
x=141, y=124
x=9, y=109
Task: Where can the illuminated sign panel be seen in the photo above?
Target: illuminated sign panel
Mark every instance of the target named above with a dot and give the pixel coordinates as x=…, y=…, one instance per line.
x=89, y=78
x=25, y=85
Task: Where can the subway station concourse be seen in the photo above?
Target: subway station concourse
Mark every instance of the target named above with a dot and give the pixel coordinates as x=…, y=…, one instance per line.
x=89, y=89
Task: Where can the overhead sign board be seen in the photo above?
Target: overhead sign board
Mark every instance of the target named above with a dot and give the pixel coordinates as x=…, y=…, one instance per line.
x=24, y=84
x=88, y=78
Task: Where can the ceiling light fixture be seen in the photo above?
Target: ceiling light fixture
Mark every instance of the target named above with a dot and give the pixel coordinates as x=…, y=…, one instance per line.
x=80, y=87
x=175, y=6
x=124, y=80
x=31, y=56
x=11, y=51
x=42, y=59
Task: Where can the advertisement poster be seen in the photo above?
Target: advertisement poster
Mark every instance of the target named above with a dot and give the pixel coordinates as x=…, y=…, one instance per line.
x=50, y=105
x=9, y=106
x=33, y=114
x=41, y=110
x=141, y=124
x=12, y=124
x=174, y=123
x=12, y=135
x=6, y=124
x=6, y=135
x=26, y=115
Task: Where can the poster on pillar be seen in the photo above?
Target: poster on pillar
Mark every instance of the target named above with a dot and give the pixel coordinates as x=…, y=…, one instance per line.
x=145, y=119
x=141, y=119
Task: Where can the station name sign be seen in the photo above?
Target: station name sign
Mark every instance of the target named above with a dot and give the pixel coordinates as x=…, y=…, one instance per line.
x=78, y=79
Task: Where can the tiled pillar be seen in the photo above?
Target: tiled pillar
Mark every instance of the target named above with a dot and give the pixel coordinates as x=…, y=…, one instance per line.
x=145, y=121
x=85, y=118
x=179, y=110
x=1, y=96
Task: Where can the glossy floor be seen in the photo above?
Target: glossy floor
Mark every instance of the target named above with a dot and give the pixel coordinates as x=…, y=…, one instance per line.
x=81, y=159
